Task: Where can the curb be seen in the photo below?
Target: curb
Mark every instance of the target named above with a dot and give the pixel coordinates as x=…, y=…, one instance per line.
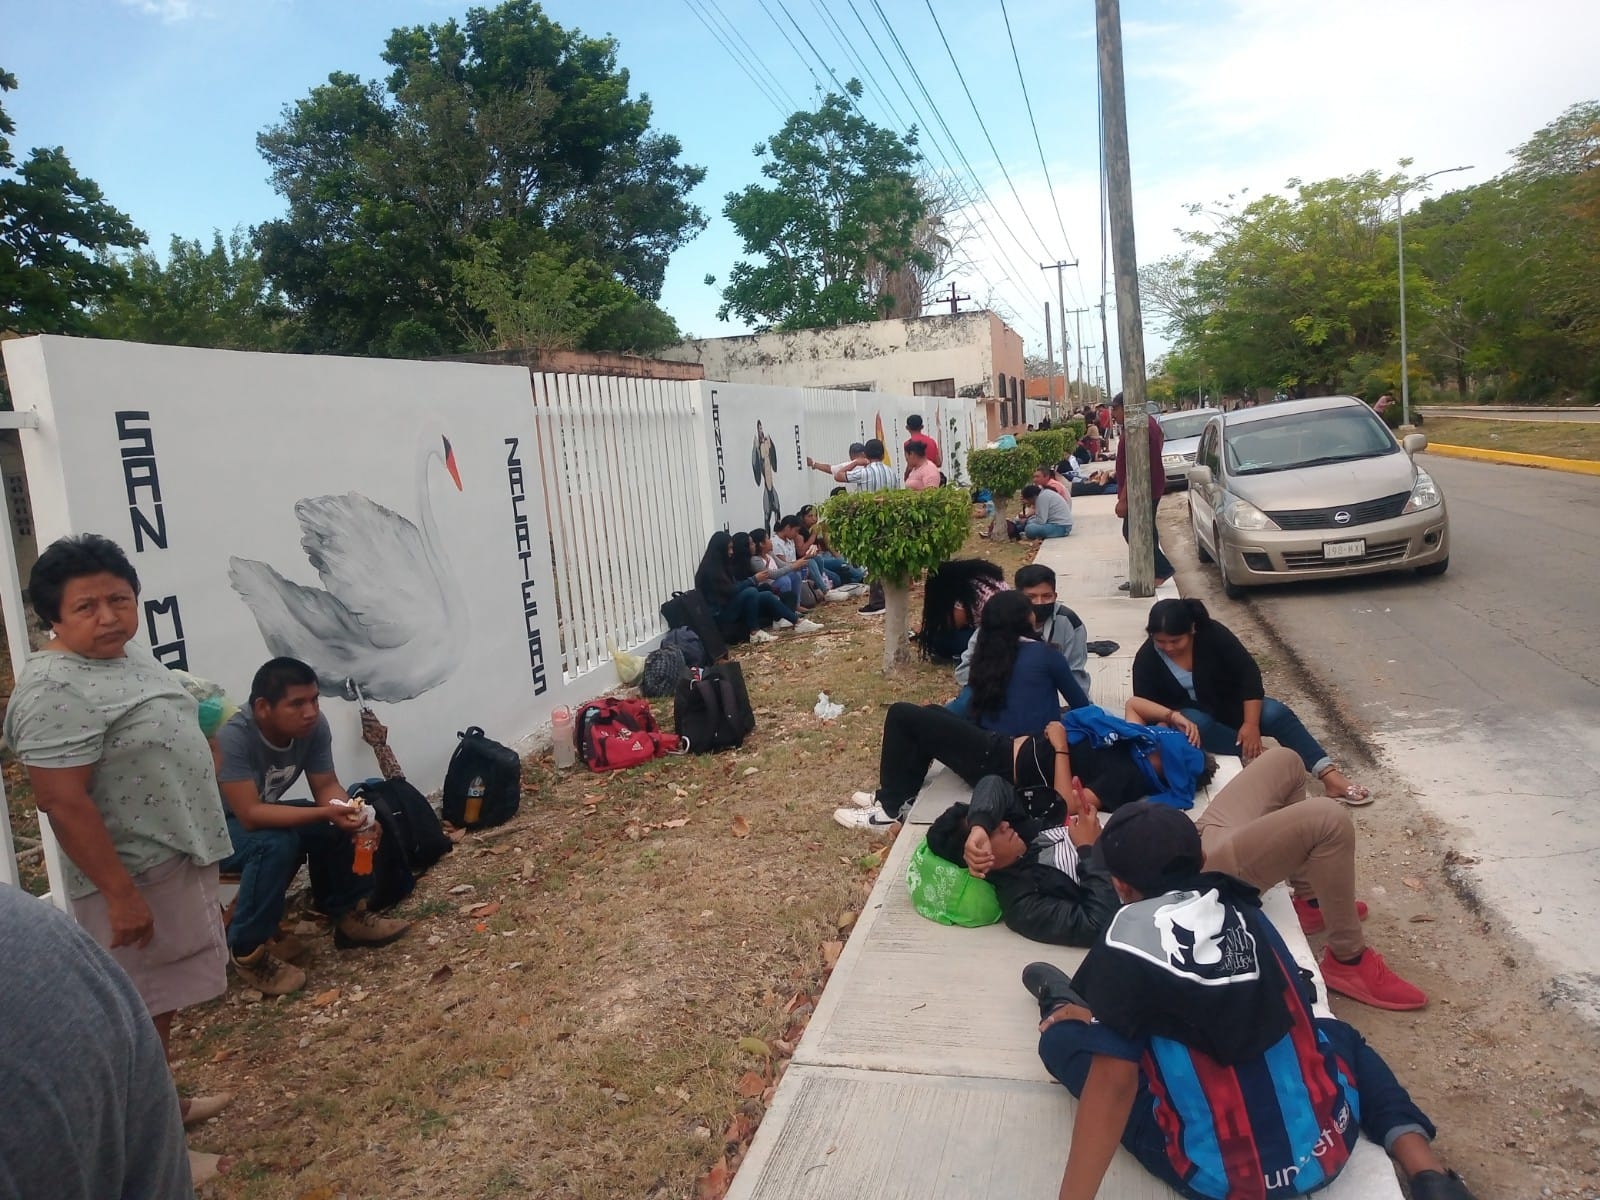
x=1577, y=466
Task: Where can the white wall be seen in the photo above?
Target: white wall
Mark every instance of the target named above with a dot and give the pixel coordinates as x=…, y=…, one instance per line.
x=194, y=461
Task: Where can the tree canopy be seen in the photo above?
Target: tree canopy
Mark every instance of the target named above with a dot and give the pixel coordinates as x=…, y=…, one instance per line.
x=844, y=231
x=55, y=230
x=1301, y=292
x=499, y=153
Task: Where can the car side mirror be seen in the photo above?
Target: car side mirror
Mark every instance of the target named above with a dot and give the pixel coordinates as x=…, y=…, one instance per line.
x=1200, y=475
x=1415, y=443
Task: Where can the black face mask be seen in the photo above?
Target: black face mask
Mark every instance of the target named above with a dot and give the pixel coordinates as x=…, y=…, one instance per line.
x=1044, y=613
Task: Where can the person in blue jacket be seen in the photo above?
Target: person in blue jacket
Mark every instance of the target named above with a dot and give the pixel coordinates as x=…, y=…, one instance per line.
x=1017, y=681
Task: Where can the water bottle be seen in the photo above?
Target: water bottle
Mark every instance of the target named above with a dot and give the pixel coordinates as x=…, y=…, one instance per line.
x=474, y=808
x=562, y=740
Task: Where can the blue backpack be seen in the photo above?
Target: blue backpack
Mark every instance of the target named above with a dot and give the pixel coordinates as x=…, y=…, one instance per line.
x=687, y=642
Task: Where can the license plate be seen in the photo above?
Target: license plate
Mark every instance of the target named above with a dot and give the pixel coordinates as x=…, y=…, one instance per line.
x=1355, y=549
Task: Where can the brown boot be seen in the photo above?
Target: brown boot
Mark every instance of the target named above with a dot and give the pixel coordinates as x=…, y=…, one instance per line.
x=269, y=975
x=286, y=947
x=360, y=930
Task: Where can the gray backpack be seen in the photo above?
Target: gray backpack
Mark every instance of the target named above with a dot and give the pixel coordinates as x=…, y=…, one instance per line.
x=663, y=667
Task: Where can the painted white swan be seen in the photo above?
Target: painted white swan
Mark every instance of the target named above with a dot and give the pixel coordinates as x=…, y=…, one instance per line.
x=392, y=621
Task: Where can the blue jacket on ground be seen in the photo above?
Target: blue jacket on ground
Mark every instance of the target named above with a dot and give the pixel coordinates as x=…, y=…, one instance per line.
x=1181, y=763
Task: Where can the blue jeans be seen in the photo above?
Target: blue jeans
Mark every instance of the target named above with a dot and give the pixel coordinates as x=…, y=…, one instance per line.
x=1046, y=529
x=751, y=608
x=838, y=568
x=266, y=861
x=1386, y=1108
x=1277, y=721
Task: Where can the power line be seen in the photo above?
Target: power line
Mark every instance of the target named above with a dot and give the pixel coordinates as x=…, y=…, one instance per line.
x=1001, y=162
x=837, y=32
x=1037, y=141
x=762, y=87
x=803, y=61
x=751, y=50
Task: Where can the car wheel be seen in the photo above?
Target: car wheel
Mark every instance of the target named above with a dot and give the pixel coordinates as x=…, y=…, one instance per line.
x=1437, y=568
x=1230, y=589
x=1200, y=550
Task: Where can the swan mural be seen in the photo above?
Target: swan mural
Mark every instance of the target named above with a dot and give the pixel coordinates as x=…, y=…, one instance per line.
x=391, y=622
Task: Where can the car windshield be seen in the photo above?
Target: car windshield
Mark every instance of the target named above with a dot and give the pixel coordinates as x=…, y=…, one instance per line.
x=1306, y=439
x=1184, y=425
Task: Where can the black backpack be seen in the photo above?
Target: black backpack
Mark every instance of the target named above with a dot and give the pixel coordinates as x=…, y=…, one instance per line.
x=483, y=775
x=413, y=840
x=690, y=610
x=711, y=710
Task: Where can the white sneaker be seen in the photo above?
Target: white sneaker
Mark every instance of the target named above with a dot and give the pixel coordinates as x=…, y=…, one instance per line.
x=863, y=799
x=807, y=626
x=761, y=635
x=842, y=593
x=858, y=589
x=781, y=623
x=873, y=818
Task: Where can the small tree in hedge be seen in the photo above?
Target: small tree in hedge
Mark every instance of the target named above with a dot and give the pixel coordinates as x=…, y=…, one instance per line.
x=897, y=535
x=1048, y=446
x=1003, y=473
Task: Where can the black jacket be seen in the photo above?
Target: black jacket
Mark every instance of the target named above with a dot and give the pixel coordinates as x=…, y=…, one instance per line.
x=1225, y=676
x=1036, y=900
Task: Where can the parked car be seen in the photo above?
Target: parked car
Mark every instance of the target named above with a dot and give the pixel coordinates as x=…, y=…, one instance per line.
x=1309, y=489
x=1182, y=432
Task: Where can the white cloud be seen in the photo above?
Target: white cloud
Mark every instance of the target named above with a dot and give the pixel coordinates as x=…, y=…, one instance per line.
x=169, y=12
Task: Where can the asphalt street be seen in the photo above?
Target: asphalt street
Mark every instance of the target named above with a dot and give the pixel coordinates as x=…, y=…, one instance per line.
x=1481, y=690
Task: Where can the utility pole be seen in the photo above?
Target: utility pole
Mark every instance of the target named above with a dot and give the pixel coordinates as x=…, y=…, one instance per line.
x=1130, y=328
x=953, y=298
x=1105, y=345
x=1061, y=300
x=1078, y=312
x=1050, y=356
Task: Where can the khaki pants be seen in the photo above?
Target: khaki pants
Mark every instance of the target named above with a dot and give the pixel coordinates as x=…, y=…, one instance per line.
x=1262, y=829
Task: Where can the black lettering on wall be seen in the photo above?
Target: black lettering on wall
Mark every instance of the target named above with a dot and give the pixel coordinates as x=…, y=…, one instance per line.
x=166, y=638
x=522, y=531
x=141, y=481
x=716, y=438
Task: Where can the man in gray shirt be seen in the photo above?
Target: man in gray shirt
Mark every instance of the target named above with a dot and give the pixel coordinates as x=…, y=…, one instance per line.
x=91, y=1111
x=1059, y=626
x=262, y=752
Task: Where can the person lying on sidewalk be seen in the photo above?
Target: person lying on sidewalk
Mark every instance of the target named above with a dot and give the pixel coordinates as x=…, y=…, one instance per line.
x=263, y=750
x=1195, y=665
x=1058, y=626
x=1188, y=1036
x=1115, y=762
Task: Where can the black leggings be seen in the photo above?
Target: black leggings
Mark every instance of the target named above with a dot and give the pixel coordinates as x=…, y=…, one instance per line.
x=914, y=735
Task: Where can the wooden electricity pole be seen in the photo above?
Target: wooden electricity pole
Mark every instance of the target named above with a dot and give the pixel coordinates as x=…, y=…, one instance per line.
x=1130, y=327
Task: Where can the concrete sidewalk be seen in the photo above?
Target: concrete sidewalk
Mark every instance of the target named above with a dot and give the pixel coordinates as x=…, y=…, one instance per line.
x=918, y=1076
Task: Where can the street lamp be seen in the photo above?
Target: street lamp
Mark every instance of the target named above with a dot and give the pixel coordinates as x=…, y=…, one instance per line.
x=1400, y=243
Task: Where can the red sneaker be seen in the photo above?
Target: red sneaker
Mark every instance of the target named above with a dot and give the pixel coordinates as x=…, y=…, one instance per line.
x=1371, y=982
x=1311, y=916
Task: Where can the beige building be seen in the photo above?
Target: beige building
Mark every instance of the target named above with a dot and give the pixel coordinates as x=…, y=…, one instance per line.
x=973, y=354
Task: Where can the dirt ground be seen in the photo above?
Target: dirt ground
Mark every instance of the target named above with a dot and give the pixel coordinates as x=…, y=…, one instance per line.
x=596, y=999
x=1509, y=1074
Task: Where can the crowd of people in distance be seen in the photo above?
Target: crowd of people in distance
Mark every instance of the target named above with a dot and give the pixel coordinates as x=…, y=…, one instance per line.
x=149, y=795
x=1189, y=1013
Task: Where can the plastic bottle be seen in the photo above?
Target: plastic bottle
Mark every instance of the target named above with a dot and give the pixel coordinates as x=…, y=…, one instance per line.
x=562, y=740
x=474, y=807
x=366, y=843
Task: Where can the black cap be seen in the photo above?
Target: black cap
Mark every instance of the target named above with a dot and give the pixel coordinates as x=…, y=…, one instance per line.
x=1146, y=845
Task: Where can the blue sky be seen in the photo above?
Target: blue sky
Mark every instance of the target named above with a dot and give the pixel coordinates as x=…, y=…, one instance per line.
x=159, y=101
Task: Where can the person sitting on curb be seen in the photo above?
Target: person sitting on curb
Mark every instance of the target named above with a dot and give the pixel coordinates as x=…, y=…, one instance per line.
x=263, y=750
x=1017, y=681
x=1058, y=625
x=1194, y=664
x=1047, y=515
x=1190, y=1019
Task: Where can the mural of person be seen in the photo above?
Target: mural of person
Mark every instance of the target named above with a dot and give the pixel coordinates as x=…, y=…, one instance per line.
x=764, y=463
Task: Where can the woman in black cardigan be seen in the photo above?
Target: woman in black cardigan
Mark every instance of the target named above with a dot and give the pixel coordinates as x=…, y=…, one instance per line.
x=1195, y=666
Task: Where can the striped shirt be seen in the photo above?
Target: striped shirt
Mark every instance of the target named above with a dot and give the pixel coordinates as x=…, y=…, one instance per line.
x=874, y=477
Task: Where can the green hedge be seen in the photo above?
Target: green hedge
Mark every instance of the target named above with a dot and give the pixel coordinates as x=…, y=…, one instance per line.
x=896, y=535
x=1048, y=446
x=1003, y=472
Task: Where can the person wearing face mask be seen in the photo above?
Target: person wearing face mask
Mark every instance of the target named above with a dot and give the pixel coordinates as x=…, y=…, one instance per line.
x=1058, y=627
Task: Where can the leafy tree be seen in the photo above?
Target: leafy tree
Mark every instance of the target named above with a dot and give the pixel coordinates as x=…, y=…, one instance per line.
x=216, y=296
x=842, y=216
x=55, y=227
x=1002, y=473
x=897, y=535
x=507, y=131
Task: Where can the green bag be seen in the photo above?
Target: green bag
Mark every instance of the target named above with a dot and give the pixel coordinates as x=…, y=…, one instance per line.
x=948, y=894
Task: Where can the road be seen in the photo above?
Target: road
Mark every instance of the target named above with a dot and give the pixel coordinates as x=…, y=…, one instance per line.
x=1481, y=689
x=1582, y=415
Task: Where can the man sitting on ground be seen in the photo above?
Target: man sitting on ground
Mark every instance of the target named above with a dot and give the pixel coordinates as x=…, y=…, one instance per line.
x=263, y=750
x=1188, y=1035
x=1048, y=515
x=1059, y=626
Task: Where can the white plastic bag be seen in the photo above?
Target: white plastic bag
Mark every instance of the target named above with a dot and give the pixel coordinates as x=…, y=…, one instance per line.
x=827, y=709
